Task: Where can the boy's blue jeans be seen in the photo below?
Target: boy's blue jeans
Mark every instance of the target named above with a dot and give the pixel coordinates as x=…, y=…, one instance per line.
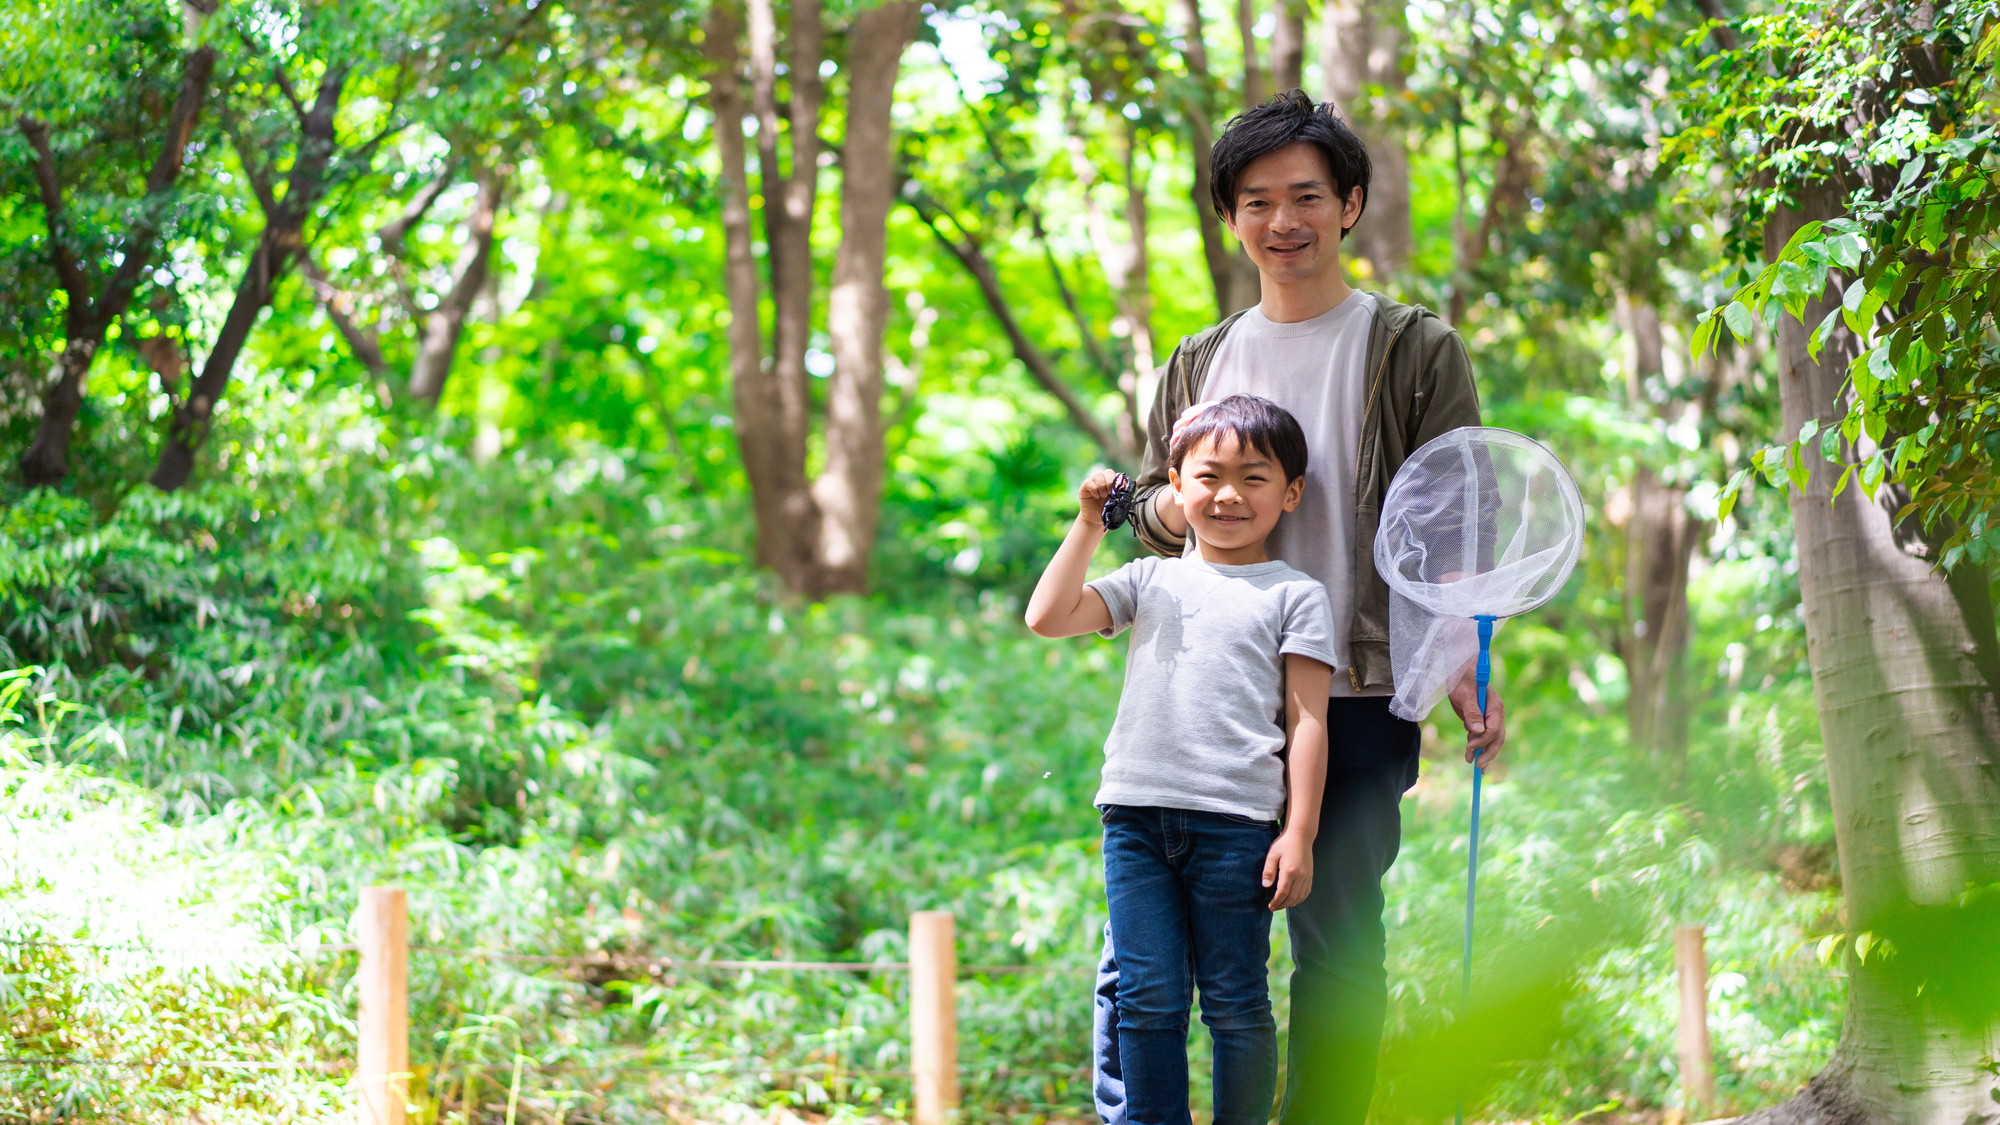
x=1190, y=910
x=1340, y=989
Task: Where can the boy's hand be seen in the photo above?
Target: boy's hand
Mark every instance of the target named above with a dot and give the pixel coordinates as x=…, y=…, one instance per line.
x=1289, y=867
x=1090, y=497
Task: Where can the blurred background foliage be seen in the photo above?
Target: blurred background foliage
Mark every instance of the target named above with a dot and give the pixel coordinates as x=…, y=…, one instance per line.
x=503, y=639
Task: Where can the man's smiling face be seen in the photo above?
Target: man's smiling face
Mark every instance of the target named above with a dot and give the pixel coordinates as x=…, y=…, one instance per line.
x=1289, y=215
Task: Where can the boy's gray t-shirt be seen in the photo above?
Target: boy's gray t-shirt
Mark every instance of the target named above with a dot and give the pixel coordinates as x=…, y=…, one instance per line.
x=1201, y=722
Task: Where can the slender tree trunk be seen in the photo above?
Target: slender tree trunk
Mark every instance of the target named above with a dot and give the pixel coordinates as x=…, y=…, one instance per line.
x=437, y=342
x=1911, y=726
x=1134, y=286
x=280, y=241
x=89, y=319
x=848, y=492
x=1361, y=45
x=1218, y=247
x=1255, y=88
x=1288, y=46
x=1660, y=541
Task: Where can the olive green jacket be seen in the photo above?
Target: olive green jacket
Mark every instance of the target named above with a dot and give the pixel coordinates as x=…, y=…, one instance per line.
x=1419, y=386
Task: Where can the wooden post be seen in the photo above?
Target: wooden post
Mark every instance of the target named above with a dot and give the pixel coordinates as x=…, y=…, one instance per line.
x=1697, y=1063
x=934, y=1016
x=383, y=1061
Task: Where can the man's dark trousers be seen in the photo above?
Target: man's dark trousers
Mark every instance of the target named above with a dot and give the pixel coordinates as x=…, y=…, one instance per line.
x=1340, y=987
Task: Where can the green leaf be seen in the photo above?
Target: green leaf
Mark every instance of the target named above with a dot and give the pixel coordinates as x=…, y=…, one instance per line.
x=1727, y=502
x=1704, y=334
x=1797, y=469
x=1737, y=314
x=1840, y=485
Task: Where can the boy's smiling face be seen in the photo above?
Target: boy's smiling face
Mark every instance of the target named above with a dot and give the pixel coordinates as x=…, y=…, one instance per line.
x=1233, y=496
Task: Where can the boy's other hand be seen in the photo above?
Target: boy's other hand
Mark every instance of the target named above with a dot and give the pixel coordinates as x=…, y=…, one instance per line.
x=1289, y=868
x=1092, y=494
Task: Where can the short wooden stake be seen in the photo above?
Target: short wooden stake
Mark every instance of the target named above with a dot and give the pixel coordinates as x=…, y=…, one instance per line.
x=1697, y=1062
x=934, y=1015
x=383, y=1061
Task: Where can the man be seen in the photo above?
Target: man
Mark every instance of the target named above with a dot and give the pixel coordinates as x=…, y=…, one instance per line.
x=1371, y=380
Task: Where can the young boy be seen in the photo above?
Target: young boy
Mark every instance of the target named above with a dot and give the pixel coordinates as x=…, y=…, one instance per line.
x=1223, y=714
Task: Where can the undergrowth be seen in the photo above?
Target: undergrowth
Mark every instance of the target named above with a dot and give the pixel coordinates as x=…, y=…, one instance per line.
x=547, y=695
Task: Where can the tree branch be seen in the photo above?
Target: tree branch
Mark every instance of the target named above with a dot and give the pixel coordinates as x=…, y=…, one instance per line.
x=68, y=270
x=973, y=258
x=365, y=343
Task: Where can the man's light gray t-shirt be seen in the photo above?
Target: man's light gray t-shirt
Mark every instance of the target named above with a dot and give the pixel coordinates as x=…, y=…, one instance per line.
x=1312, y=368
x=1201, y=722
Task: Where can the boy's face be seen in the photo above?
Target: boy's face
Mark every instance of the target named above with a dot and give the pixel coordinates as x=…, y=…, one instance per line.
x=1233, y=497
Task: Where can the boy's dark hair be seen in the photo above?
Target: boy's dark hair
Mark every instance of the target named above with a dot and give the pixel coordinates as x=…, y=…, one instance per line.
x=1257, y=423
x=1287, y=119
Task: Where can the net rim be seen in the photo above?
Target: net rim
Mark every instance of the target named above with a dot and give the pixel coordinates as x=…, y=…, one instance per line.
x=1566, y=489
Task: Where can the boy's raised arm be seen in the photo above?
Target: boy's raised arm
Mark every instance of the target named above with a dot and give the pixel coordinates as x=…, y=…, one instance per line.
x=1288, y=868
x=1061, y=605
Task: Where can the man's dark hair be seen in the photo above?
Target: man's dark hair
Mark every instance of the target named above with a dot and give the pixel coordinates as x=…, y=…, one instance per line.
x=1287, y=119
x=1257, y=423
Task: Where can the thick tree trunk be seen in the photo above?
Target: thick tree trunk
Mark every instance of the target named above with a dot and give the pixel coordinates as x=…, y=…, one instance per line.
x=1911, y=726
x=1362, y=44
x=772, y=431
x=281, y=239
x=848, y=492
x=89, y=319
x=437, y=343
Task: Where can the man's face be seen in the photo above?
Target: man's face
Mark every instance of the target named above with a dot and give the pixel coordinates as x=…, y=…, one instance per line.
x=1289, y=217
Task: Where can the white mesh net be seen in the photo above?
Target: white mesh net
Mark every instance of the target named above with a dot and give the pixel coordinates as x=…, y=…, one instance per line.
x=1480, y=521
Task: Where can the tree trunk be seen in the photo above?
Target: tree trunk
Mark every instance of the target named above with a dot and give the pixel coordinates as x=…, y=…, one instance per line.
x=772, y=430
x=1660, y=541
x=281, y=239
x=1254, y=87
x=1362, y=45
x=1218, y=248
x=1911, y=726
x=848, y=492
x=437, y=343
x=89, y=319
x=1288, y=46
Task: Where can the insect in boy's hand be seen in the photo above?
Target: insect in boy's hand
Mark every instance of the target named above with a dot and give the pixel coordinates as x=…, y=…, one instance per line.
x=1118, y=506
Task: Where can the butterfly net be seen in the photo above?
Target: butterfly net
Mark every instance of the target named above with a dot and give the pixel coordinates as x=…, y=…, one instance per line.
x=1480, y=521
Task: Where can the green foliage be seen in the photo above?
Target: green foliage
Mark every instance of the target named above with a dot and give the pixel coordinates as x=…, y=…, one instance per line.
x=1912, y=262
x=542, y=693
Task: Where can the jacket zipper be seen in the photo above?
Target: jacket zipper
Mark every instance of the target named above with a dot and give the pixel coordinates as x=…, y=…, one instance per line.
x=1374, y=387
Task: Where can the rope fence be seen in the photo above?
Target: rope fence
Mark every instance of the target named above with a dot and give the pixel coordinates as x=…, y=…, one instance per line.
x=381, y=1067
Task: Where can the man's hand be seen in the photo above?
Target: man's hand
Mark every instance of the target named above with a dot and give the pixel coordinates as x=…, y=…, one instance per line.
x=1189, y=415
x=1484, y=734
x=1289, y=867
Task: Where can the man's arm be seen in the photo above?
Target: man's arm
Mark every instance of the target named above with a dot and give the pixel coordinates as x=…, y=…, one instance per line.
x=1160, y=523
x=1454, y=402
